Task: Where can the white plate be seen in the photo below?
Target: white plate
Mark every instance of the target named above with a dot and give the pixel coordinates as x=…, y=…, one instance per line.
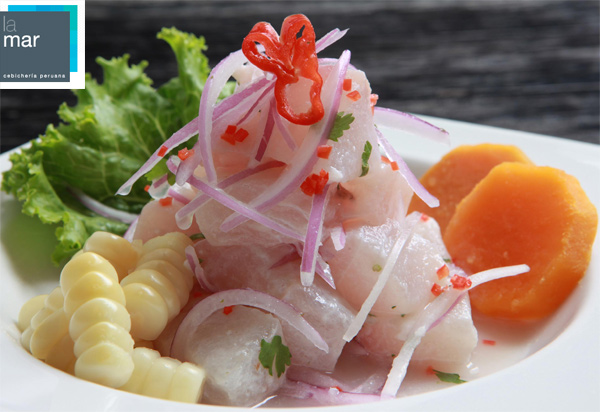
x=562, y=373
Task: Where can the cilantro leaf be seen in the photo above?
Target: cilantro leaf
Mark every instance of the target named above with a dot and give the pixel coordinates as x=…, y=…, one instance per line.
x=365, y=158
x=277, y=351
x=448, y=377
x=342, y=122
x=102, y=140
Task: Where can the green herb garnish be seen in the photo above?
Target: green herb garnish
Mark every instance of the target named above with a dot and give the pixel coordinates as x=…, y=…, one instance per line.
x=274, y=352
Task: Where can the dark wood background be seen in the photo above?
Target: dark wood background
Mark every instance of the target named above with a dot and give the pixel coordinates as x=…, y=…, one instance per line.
x=529, y=65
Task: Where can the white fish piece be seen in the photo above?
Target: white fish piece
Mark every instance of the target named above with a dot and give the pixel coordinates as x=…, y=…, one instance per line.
x=356, y=268
x=451, y=341
x=252, y=267
x=228, y=348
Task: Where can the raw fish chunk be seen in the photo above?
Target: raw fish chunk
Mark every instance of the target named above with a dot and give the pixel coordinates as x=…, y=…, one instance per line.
x=227, y=347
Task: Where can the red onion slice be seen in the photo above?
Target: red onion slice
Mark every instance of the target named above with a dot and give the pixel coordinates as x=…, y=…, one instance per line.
x=128, y=235
x=305, y=157
x=246, y=297
x=196, y=268
x=101, y=209
x=243, y=209
x=236, y=101
x=408, y=175
x=312, y=240
x=185, y=214
x=430, y=315
x=409, y=123
x=280, y=122
x=360, y=318
x=330, y=38
x=267, y=132
x=181, y=136
x=217, y=79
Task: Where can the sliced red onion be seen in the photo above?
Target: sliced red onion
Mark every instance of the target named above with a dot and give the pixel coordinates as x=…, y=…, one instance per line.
x=182, y=135
x=330, y=38
x=101, y=209
x=312, y=240
x=242, y=208
x=338, y=238
x=178, y=196
x=409, y=123
x=196, y=268
x=236, y=100
x=257, y=104
x=360, y=318
x=305, y=157
x=267, y=132
x=324, y=271
x=430, y=315
x=246, y=297
x=324, y=396
x=184, y=215
x=217, y=79
x=128, y=235
x=280, y=122
x=405, y=171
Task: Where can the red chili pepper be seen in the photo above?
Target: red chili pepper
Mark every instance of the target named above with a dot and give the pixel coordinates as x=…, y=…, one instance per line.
x=232, y=135
x=385, y=160
x=354, y=95
x=373, y=100
x=166, y=201
x=437, y=289
x=185, y=153
x=489, y=342
x=424, y=218
x=315, y=183
x=227, y=310
x=460, y=282
x=162, y=151
x=395, y=166
x=347, y=85
x=291, y=56
x=442, y=272
x=324, y=151
x=147, y=188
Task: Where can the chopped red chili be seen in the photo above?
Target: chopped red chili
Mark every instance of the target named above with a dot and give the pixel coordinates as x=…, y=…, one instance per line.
x=147, y=188
x=166, y=201
x=291, y=56
x=460, y=282
x=324, y=151
x=373, y=100
x=315, y=183
x=227, y=310
x=347, y=85
x=394, y=166
x=385, y=160
x=233, y=135
x=442, y=272
x=489, y=342
x=437, y=289
x=185, y=153
x=424, y=217
x=353, y=95
x=430, y=370
x=162, y=151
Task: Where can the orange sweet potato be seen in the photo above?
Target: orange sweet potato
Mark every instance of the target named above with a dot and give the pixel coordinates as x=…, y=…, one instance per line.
x=457, y=173
x=521, y=213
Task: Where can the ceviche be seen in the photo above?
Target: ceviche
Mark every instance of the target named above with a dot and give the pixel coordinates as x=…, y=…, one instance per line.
x=282, y=252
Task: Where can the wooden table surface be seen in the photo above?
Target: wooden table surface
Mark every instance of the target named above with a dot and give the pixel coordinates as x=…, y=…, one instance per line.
x=530, y=65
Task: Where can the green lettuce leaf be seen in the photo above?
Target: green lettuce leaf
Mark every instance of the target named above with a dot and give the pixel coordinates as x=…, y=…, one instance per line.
x=102, y=140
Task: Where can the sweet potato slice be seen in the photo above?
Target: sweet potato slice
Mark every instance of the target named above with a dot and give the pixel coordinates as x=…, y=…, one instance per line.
x=457, y=173
x=521, y=213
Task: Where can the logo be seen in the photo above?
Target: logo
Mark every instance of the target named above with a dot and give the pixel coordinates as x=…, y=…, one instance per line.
x=42, y=44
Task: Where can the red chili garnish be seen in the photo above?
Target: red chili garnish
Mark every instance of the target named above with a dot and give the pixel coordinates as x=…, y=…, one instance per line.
x=324, y=151
x=394, y=166
x=424, y=217
x=338, y=388
x=162, y=151
x=232, y=135
x=291, y=56
x=166, y=201
x=354, y=95
x=437, y=289
x=185, y=153
x=315, y=183
x=147, y=188
x=489, y=342
x=373, y=100
x=430, y=370
x=385, y=160
x=347, y=85
x=442, y=272
x=460, y=282
x=227, y=310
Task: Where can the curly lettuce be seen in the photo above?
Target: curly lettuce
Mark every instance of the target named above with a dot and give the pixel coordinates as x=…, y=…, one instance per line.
x=103, y=139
